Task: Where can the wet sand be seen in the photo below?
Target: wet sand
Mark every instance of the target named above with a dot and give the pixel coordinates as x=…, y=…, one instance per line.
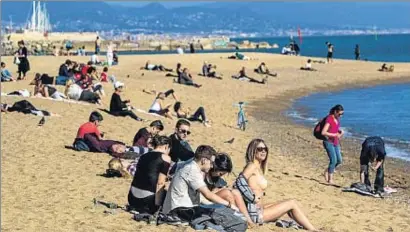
x=46, y=187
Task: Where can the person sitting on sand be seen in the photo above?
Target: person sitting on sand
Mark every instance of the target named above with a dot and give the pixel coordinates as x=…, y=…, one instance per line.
x=186, y=79
x=75, y=92
x=26, y=107
x=385, y=69
x=263, y=69
x=95, y=59
x=216, y=184
x=308, y=66
x=243, y=77
x=153, y=67
x=254, y=175
x=373, y=149
x=47, y=91
x=181, y=150
x=104, y=75
x=188, y=183
x=91, y=82
x=144, y=135
x=5, y=74
x=84, y=69
x=147, y=187
x=209, y=70
x=65, y=69
x=241, y=56
x=198, y=116
x=119, y=107
x=157, y=108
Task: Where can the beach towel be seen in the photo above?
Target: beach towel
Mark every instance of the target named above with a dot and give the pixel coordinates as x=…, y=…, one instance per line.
x=361, y=189
x=62, y=100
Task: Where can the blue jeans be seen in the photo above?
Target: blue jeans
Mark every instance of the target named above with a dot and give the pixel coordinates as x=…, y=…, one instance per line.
x=335, y=156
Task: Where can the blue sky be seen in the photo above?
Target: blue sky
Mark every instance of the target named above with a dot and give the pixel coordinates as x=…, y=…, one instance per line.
x=168, y=4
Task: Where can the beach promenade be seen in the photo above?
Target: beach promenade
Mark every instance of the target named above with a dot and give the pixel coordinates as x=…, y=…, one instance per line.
x=46, y=187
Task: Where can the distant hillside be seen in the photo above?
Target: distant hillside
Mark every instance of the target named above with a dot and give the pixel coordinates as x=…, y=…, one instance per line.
x=209, y=17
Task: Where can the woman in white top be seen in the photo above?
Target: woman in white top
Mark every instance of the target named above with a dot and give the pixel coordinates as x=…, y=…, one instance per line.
x=157, y=108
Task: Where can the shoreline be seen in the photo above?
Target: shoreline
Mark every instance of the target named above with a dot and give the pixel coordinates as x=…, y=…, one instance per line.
x=351, y=146
x=60, y=183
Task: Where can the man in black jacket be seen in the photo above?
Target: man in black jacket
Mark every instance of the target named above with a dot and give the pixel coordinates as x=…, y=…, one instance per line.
x=181, y=150
x=119, y=107
x=373, y=150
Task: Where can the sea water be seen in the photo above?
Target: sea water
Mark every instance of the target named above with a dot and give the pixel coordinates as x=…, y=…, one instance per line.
x=375, y=111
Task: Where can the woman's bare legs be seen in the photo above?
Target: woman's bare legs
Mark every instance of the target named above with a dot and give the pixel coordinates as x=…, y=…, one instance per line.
x=235, y=198
x=272, y=212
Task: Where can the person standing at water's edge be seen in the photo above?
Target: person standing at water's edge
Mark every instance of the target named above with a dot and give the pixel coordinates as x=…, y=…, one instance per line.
x=357, y=52
x=333, y=133
x=330, y=49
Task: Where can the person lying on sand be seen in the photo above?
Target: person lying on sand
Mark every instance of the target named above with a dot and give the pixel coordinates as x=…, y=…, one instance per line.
x=157, y=107
x=198, y=116
x=75, y=92
x=243, y=77
x=152, y=67
x=385, y=69
x=263, y=69
x=240, y=56
x=167, y=93
x=26, y=107
x=144, y=135
x=254, y=176
x=186, y=79
x=119, y=107
x=47, y=91
x=147, y=188
x=308, y=66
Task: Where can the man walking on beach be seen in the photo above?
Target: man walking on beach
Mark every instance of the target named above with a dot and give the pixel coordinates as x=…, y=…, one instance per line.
x=373, y=150
x=330, y=49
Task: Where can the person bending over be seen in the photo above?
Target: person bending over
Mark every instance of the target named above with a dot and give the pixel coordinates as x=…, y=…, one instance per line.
x=373, y=151
x=119, y=107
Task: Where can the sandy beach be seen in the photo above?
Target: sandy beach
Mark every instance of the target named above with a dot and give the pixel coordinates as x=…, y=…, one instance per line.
x=46, y=187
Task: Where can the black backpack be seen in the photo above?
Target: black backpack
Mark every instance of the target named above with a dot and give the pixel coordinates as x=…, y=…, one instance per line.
x=317, y=131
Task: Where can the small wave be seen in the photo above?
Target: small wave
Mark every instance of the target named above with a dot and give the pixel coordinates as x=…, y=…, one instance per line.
x=294, y=114
x=397, y=153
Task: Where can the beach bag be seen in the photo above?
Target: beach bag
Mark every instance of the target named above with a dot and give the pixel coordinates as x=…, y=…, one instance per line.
x=317, y=131
x=16, y=60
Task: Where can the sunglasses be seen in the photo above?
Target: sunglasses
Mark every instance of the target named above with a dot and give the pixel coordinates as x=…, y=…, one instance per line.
x=260, y=149
x=185, y=132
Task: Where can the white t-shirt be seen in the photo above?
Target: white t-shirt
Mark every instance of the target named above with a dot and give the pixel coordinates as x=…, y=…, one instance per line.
x=151, y=66
x=180, y=50
x=308, y=65
x=94, y=58
x=184, y=188
x=155, y=106
x=74, y=92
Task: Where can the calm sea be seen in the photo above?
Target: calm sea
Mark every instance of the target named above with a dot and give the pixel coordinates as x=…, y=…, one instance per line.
x=382, y=110
x=391, y=48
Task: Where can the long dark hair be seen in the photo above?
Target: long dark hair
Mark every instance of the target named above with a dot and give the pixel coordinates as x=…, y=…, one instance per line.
x=336, y=108
x=223, y=163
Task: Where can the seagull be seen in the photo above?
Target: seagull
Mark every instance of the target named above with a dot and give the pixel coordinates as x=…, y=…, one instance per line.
x=230, y=141
x=42, y=121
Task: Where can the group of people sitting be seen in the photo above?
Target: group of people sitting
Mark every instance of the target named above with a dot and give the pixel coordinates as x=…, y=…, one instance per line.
x=171, y=177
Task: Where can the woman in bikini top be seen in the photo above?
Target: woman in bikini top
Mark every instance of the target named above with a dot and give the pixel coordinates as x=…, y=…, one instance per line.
x=254, y=172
